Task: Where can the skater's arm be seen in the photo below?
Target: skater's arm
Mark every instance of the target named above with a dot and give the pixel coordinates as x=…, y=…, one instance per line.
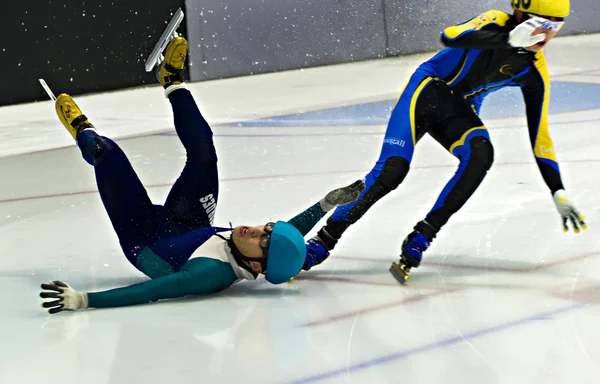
x=316, y=251
x=483, y=32
x=536, y=92
x=306, y=220
x=198, y=276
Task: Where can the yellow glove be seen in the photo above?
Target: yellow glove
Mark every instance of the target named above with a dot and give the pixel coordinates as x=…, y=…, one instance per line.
x=568, y=212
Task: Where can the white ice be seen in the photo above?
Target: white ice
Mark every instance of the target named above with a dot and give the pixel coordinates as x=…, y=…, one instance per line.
x=503, y=296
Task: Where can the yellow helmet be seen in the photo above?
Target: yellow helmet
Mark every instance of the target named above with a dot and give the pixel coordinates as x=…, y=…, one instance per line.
x=553, y=8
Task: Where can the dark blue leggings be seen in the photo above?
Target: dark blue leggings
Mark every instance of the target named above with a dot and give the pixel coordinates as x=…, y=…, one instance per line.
x=190, y=205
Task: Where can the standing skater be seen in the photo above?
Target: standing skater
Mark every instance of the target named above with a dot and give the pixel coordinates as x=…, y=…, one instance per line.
x=175, y=244
x=443, y=98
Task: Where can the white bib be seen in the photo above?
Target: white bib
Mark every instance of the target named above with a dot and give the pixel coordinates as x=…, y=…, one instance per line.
x=217, y=248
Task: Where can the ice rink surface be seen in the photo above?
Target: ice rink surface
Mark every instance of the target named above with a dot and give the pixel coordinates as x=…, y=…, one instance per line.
x=503, y=295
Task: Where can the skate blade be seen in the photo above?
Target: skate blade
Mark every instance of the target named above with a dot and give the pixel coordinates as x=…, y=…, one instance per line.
x=399, y=273
x=47, y=89
x=168, y=35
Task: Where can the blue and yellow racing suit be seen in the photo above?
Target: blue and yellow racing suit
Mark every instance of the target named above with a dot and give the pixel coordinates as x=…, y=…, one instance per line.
x=443, y=98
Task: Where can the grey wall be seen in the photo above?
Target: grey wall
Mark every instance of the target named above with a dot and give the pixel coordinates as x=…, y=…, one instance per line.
x=240, y=37
x=104, y=49
x=584, y=18
x=415, y=25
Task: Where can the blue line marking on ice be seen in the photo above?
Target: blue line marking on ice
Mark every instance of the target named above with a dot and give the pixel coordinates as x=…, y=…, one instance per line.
x=565, y=97
x=358, y=133
x=438, y=344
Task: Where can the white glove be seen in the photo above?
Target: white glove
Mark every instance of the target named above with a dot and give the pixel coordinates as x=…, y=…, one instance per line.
x=568, y=212
x=521, y=37
x=68, y=298
x=342, y=196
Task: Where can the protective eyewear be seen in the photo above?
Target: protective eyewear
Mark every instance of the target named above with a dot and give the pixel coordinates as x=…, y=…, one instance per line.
x=554, y=25
x=265, y=239
x=549, y=24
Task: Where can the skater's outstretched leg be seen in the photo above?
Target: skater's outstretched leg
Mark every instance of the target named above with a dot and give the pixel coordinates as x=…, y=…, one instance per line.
x=406, y=127
x=193, y=198
x=476, y=155
x=123, y=195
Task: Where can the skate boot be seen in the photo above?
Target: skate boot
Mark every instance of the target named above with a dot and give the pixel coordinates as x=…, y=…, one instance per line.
x=71, y=116
x=170, y=71
x=318, y=248
x=412, y=250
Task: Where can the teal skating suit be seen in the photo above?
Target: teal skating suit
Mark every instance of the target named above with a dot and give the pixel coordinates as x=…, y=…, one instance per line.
x=206, y=273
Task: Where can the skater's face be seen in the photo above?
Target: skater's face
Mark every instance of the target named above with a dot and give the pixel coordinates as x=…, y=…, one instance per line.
x=554, y=25
x=253, y=242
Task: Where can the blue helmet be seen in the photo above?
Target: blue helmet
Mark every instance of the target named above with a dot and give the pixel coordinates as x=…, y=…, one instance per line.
x=287, y=253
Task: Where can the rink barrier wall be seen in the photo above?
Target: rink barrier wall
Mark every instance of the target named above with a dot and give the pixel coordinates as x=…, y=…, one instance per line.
x=241, y=37
x=85, y=47
x=78, y=46
x=414, y=26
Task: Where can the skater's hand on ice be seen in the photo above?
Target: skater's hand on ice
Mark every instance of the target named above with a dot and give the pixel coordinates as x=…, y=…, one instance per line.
x=568, y=212
x=68, y=298
x=342, y=196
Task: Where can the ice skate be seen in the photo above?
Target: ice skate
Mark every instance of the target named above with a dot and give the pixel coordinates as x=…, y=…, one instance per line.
x=169, y=34
x=171, y=69
x=413, y=247
x=71, y=116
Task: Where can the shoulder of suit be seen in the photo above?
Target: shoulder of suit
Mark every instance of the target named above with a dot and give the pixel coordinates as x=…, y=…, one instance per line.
x=492, y=17
x=495, y=16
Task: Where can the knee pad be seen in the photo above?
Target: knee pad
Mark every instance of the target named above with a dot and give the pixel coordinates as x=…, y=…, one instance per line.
x=392, y=174
x=394, y=171
x=482, y=152
x=93, y=146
